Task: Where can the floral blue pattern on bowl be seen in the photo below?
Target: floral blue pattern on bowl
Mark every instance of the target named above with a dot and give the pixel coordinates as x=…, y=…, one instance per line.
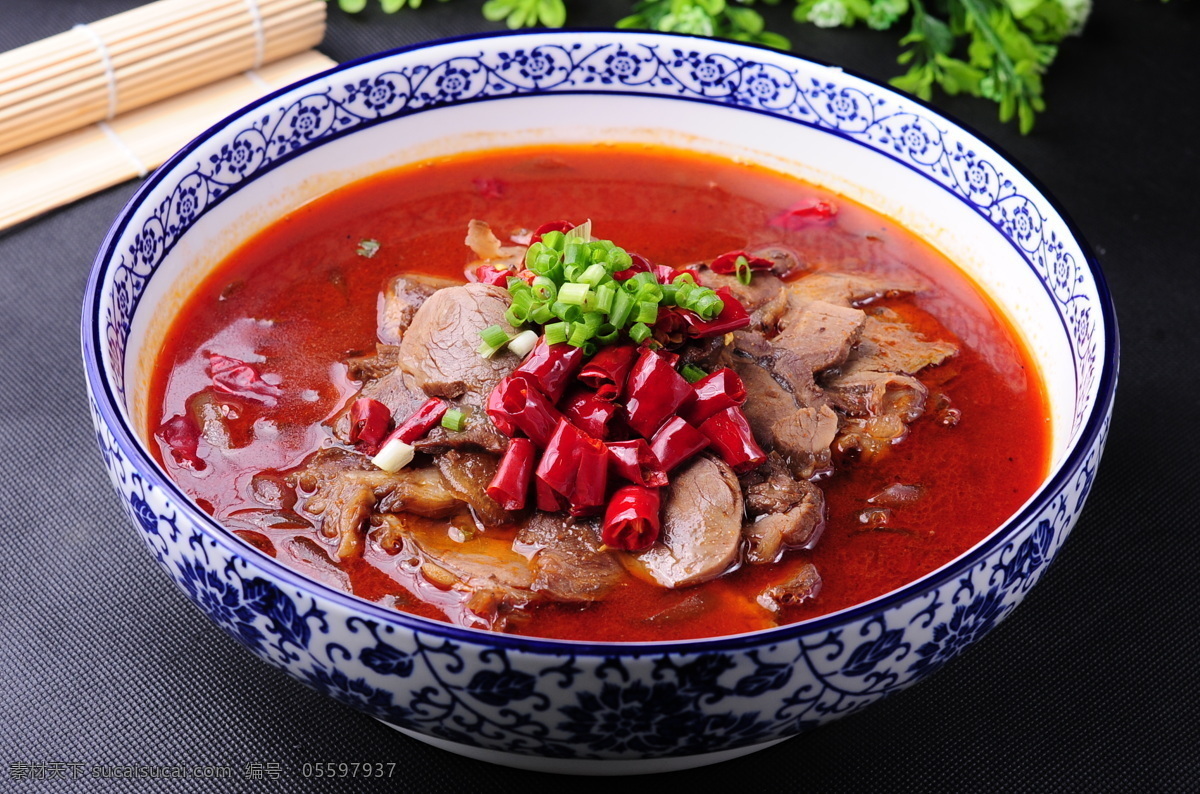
x=574, y=706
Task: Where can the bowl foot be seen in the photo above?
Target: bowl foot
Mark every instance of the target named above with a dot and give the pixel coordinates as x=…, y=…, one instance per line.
x=569, y=766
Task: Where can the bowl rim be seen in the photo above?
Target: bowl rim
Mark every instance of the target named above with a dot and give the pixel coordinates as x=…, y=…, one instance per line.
x=1086, y=437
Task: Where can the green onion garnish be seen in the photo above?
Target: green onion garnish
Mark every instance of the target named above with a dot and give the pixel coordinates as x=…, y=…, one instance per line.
x=742, y=270
x=556, y=333
x=367, y=248
x=454, y=419
x=494, y=336
x=639, y=333
x=691, y=373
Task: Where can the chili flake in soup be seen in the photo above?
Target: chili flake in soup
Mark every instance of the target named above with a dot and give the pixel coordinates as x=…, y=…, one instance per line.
x=898, y=417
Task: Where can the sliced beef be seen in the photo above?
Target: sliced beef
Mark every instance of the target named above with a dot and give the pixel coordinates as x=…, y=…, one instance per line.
x=847, y=289
x=570, y=565
x=479, y=582
x=438, y=353
x=437, y=358
x=786, y=513
x=372, y=366
x=762, y=287
x=794, y=421
x=467, y=475
x=342, y=489
x=801, y=586
x=399, y=302
x=701, y=527
x=876, y=387
x=820, y=333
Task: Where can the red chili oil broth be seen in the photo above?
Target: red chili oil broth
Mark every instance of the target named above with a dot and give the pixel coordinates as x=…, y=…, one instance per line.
x=298, y=298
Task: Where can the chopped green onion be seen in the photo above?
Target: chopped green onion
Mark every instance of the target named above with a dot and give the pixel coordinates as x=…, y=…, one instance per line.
x=622, y=305
x=367, y=248
x=668, y=294
x=556, y=333
x=577, y=254
x=566, y=311
x=593, y=275
x=647, y=312
x=604, y=297
x=542, y=314
x=573, y=293
x=487, y=351
x=523, y=342
x=639, y=333
x=454, y=419
x=516, y=315
x=742, y=270
x=684, y=278
x=606, y=333
x=554, y=240
x=648, y=292
x=617, y=259
x=494, y=336
x=580, y=333
x=691, y=373
x=544, y=289
x=395, y=455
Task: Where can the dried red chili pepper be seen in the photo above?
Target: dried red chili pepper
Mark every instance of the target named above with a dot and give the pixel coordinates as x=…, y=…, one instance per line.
x=182, y=437
x=607, y=370
x=808, y=212
x=588, y=412
x=714, y=392
x=494, y=406
x=631, y=521
x=548, y=499
x=522, y=406
x=652, y=392
x=675, y=442
x=551, y=367
x=510, y=486
x=635, y=461
x=241, y=379
x=550, y=226
x=576, y=466
x=420, y=423
x=732, y=317
x=486, y=274
x=369, y=420
x=730, y=435
x=726, y=264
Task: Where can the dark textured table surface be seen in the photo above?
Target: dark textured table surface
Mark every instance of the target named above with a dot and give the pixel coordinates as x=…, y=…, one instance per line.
x=1091, y=685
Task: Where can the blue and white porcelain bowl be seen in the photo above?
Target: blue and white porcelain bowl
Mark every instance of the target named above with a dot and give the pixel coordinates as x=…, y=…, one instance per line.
x=568, y=706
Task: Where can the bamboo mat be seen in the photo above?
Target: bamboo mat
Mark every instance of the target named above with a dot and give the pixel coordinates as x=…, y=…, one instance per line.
x=52, y=173
x=111, y=100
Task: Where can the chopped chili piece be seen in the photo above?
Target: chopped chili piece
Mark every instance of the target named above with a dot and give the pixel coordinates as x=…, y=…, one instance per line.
x=730, y=435
x=714, y=392
x=675, y=442
x=486, y=274
x=510, y=486
x=809, y=212
x=653, y=391
x=523, y=407
x=551, y=367
x=576, y=466
x=589, y=413
x=636, y=462
x=631, y=521
x=182, y=437
x=369, y=421
x=607, y=370
x=420, y=423
x=547, y=498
